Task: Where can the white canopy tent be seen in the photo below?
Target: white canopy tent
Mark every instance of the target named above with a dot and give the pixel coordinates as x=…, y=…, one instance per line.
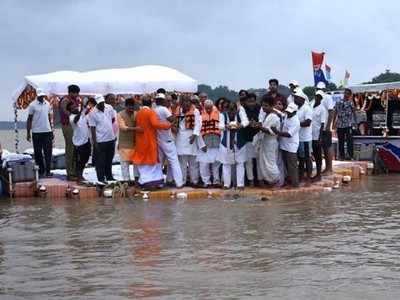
x=136, y=80
x=376, y=87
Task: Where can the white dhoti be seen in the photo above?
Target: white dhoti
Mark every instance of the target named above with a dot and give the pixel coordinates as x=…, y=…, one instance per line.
x=209, y=165
x=150, y=173
x=251, y=154
x=269, y=158
x=125, y=170
x=227, y=174
x=232, y=157
x=189, y=161
x=168, y=150
x=205, y=171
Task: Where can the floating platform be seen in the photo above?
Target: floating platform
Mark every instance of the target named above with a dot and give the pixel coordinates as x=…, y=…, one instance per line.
x=56, y=188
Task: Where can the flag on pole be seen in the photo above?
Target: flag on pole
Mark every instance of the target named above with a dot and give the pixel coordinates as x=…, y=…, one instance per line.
x=317, y=60
x=328, y=72
x=346, y=78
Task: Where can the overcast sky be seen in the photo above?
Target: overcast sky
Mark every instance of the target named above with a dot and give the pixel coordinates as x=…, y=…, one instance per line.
x=234, y=43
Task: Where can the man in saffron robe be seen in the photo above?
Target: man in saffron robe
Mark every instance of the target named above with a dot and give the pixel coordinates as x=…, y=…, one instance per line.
x=145, y=155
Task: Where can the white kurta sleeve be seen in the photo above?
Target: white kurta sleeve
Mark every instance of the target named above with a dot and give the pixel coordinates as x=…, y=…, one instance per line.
x=261, y=116
x=221, y=124
x=244, y=121
x=197, y=123
x=200, y=142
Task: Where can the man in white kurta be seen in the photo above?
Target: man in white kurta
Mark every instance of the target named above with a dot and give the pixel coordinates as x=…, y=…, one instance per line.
x=165, y=140
x=189, y=126
x=208, y=143
x=233, y=150
x=266, y=141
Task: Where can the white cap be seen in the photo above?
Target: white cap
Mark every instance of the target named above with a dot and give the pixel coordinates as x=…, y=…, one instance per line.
x=99, y=98
x=40, y=93
x=299, y=93
x=321, y=85
x=294, y=82
x=160, y=96
x=321, y=93
x=291, y=108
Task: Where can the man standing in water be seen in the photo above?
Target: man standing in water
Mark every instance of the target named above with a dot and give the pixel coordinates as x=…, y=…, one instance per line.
x=72, y=97
x=145, y=155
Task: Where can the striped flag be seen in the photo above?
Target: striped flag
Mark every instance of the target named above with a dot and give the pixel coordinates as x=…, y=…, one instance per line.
x=317, y=60
x=328, y=72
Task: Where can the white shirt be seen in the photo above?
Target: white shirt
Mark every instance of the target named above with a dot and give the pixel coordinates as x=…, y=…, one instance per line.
x=81, y=130
x=40, y=116
x=305, y=113
x=183, y=146
x=163, y=113
x=328, y=104
x=103, y=123
x=291, y=126
x=112, y=114
x=318, y=117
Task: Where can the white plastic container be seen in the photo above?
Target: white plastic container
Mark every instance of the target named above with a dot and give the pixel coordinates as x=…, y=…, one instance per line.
x=181, y=195
x=107, y=193
x=346, y=178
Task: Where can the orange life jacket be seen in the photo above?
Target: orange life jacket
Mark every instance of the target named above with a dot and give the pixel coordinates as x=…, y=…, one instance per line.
x=189, y=117
x=210, y=122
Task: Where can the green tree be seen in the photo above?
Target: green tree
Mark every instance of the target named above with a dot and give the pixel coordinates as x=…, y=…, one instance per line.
x=309, y=91
x=217, y=92
x=387, y=76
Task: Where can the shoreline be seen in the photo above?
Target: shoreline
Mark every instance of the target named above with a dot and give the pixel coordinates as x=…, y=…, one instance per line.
x=55, y=188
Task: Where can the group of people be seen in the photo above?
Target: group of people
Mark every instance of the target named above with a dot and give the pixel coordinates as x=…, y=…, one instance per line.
x=187, y=139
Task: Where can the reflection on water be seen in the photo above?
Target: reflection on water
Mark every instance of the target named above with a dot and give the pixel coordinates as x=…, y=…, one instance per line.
x=342, y=245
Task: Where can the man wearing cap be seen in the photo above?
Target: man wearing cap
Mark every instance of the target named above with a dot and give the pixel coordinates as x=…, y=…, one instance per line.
x=101, y=121
x=126, y=139
x=293, y=85
x=72, y=97
x=81, y=136
x=317, y=125
x=304, y=113
x=289, y=143
x=326, y=138
x=39, y=122
x=145, y=155
x=165, y=140
x=111, y=100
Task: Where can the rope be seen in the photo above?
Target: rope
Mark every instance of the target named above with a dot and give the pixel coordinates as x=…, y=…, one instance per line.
x=16, y=132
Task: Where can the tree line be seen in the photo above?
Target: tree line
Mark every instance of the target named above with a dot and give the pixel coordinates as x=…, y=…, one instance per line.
x=225, y=91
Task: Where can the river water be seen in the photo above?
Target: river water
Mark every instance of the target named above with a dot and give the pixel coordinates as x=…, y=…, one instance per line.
x=342, y=245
